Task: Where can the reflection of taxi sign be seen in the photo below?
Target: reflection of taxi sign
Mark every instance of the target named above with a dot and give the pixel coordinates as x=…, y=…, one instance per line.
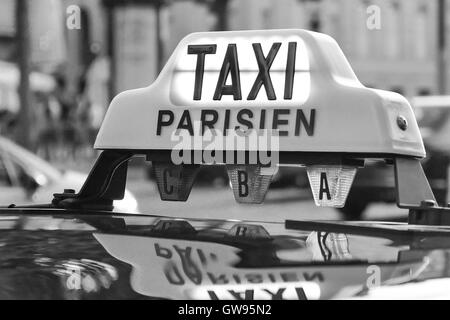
x=253, y=100
x=174, y=182
x=210, y=269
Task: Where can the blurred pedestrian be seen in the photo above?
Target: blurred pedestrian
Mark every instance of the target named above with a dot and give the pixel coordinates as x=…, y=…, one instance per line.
x=47, y=117
x=66, y=129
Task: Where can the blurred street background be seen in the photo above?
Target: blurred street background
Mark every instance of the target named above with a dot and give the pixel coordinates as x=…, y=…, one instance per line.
x=62, y=61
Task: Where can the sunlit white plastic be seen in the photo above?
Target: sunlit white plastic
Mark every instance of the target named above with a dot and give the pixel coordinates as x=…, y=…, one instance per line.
x=258, y=181
x=330, y=184
x=349, y=116
x=174, y=278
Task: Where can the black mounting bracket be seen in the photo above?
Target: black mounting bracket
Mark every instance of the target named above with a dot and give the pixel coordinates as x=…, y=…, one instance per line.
x=414, y=193
x=411, y=184
x=105, y=183
x=429, y=214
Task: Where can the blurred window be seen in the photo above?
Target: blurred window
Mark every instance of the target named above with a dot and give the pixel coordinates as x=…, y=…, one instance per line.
x=398, y=89
x=315, y=23
x=362, y=32
x=393, y=30
x=85, y=47
x=424, y=92
x=421, y=32
x=266, y=14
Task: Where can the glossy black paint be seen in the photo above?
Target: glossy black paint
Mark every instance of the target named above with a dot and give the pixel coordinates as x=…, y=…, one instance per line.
x=74, y=254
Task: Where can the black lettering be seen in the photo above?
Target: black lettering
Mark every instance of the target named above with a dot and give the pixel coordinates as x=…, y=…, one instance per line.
x=272, y=277
x=200, y=50
x=236, y=278
x=202, y=257
x=230, y=65
x=242, y=183
x=246, y=295
x=324, y=186
x=262, y=120
x=186, y=117
x=226, y=124
x=254, y=278
x=241, y=120
x=277, y=295
x=301, y=293
x=162, y=252
x=162, y=122
x=301, y=119
x=290, y=71
x=220, y=279
x=212, y=295
x=263, y=78
x=173, y=275
x=190, y=268
x=280, y=122
x=311, y=277
x=289, y=276
x=167, y=174
x=211, y=122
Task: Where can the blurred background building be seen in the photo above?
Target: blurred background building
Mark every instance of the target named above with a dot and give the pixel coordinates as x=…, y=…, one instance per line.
x=62, y=61
x=83, y=52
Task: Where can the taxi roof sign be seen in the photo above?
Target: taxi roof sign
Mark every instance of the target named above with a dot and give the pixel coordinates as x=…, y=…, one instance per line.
x=295, y=81
x=293, y=88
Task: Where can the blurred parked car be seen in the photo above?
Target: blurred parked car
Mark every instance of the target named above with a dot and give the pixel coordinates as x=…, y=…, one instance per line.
x=26, y=178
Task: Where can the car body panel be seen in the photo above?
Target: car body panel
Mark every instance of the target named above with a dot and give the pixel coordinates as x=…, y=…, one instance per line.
x=64, y=254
